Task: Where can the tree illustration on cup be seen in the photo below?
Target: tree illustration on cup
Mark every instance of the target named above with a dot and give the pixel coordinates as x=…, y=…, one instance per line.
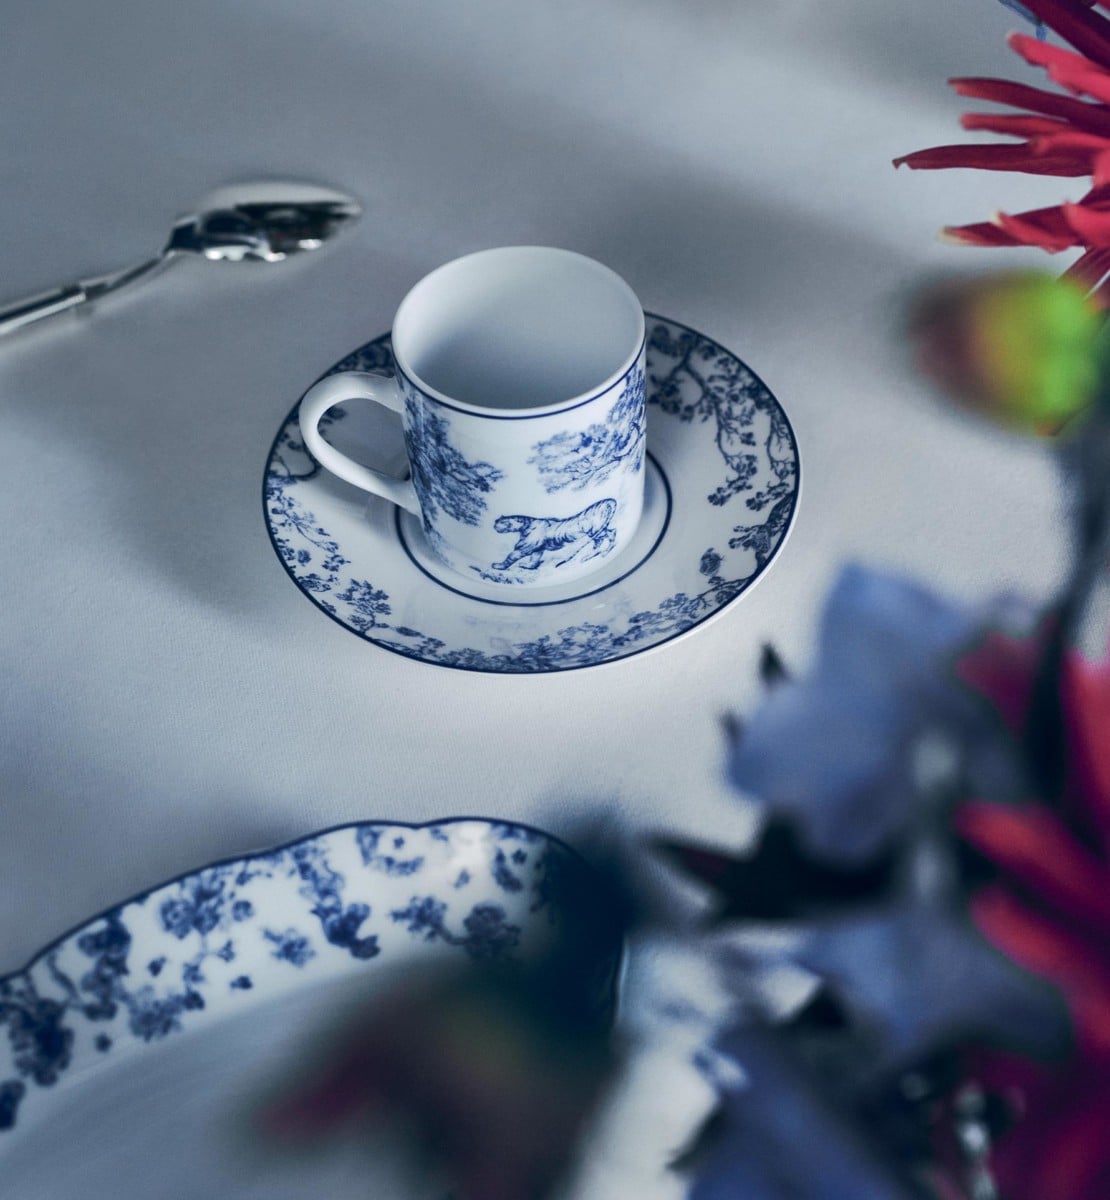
x=580, y=457
x=442, y=476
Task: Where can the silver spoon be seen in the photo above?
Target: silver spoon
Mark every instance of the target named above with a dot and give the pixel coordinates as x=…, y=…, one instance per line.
x=256, y=222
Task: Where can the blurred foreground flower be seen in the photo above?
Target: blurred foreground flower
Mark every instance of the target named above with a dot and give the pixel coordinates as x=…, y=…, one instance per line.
x=838, y=750
x=1059, y=135
x=956, y=1032
x=1020, y=348
x=490, y=1074
x=1049, y=910
x=948, y=940
x=858, y=765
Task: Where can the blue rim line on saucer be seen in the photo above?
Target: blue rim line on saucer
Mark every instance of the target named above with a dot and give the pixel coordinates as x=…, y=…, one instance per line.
x=211, y=942
x=709, y=415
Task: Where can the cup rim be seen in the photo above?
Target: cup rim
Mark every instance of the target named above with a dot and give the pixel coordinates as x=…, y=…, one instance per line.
x=520, y=414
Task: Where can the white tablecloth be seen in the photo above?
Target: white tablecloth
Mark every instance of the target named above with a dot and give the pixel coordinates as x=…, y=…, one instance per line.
x=167, y=697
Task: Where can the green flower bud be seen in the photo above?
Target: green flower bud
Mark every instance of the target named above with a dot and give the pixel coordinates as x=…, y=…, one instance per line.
x=1020, y=348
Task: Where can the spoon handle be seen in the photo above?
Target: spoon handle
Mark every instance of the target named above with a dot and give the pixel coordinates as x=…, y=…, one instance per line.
x=61, y=299
x=34, y=308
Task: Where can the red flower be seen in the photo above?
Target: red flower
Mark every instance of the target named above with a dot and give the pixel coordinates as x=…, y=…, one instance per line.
x=1050, y=912
x=1059, y=135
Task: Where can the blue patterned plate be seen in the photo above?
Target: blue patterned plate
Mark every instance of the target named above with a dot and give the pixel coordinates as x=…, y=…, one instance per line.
x=139, y=1047
x=721, y=492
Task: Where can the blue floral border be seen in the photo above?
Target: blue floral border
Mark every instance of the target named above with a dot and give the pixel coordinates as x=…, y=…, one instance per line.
x=692, y=379
x=108, y=983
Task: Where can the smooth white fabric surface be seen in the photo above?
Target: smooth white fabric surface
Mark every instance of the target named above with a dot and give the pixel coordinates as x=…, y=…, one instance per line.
x=166, y=694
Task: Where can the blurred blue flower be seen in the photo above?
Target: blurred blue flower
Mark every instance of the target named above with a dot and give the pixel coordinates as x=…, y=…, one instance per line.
x=845, y=750
x=1022, y=11
x=918, y=976
x=782, y=1134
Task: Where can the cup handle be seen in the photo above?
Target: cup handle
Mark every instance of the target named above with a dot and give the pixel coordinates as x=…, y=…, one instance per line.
x=354, y=385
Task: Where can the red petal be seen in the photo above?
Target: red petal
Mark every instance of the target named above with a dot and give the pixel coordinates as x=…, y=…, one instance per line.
x=1043, y=1097
x=996, y=158
x=1057, y=1151
x=1038, y=943
x=1091, y=225
x=1100, y=172
x=1019, y=125
x=1089, y=269
x=1070, y=70
x=1087, y=31
x=1049, y=948
x=1034, y=846
x=1093, y=117
x=1001, y=669
x=1075, y=1160
x=1082, y=83
x=1044, y=227
x=1087, y=705
x=1004, y=1071
x=1071, y=141
x=983, y=233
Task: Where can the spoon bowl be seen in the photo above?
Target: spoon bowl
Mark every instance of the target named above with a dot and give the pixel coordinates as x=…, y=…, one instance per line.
x=262, y=222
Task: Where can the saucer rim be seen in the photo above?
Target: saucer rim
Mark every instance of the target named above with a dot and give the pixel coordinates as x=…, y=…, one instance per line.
x=245, y=856
x=670, y=640
x=372, y=885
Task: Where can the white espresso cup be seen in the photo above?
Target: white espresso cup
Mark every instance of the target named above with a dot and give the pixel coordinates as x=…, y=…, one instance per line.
x=520, y=383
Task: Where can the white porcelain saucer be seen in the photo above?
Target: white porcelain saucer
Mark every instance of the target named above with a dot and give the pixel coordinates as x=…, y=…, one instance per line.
x=721, y=492
x=139, y=1051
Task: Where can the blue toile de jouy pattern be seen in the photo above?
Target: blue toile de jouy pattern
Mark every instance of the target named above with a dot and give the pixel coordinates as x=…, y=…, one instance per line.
x=716, y=431
x=583, y=458
x=443, y=478
x=211, y=943
x=702, y=382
